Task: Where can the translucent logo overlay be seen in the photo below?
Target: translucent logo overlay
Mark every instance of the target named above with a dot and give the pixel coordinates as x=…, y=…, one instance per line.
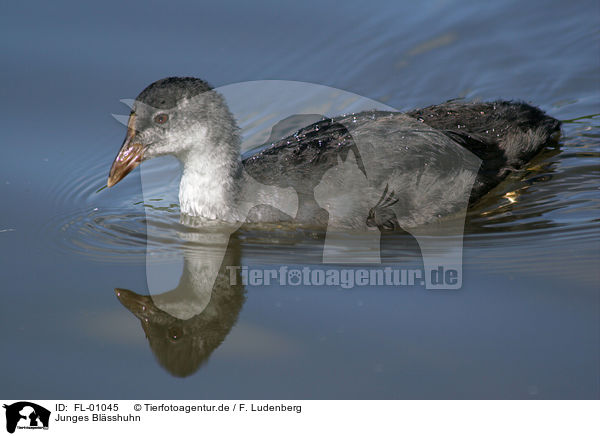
x=391, y=172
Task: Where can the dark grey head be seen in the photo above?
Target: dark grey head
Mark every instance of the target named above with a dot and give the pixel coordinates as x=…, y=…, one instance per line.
x=170, y=116
x=167, y=93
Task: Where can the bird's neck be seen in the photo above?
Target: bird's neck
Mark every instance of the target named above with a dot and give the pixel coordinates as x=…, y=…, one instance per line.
x=209, y=182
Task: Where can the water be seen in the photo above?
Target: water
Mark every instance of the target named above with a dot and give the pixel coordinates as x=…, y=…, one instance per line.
x=524, y=324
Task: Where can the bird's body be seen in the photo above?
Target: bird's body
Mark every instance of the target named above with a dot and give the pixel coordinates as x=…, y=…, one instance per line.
x=429, y=159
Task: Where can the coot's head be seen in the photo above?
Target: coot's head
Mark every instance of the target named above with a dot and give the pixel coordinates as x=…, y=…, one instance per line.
x=170, y=116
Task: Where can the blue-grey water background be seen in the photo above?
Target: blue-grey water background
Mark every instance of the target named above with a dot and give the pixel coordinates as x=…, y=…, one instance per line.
x=526, y=323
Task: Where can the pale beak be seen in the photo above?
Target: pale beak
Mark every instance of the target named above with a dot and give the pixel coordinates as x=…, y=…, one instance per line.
x=130, y=156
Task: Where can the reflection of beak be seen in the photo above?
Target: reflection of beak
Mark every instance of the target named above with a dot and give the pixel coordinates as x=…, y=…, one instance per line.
x=130, y=155
x=140, y=305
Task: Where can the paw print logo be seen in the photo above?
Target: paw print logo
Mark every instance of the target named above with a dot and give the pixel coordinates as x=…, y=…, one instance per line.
x=294, y=277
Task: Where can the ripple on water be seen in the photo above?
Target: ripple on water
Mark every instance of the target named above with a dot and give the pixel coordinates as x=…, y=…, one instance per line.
x=555, y=196
x=114, y=234
x=114, y=224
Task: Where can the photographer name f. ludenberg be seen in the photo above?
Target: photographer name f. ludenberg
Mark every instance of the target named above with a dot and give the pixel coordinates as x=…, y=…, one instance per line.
x=270, y=408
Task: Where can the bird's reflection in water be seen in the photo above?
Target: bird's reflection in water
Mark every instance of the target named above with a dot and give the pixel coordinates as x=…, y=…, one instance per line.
x=181, y=346
x=181, y=343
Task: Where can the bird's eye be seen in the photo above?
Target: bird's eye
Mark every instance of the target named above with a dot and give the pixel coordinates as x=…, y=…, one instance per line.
x=174, y=333
x=161, y=118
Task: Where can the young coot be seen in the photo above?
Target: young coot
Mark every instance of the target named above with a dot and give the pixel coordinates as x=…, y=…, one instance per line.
x=421, y=165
